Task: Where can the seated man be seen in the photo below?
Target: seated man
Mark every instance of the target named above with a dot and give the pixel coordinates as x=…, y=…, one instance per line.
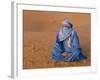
x=67, y=42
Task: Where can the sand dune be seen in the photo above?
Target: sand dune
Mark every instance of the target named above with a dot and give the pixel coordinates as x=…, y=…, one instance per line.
x=40, y=29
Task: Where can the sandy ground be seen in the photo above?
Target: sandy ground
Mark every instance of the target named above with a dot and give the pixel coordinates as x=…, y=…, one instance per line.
x=40, y=29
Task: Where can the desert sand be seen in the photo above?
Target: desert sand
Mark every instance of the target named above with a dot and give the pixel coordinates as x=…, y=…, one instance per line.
x=40, y=29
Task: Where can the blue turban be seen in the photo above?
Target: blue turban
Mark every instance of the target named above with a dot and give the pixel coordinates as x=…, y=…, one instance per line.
x=68, y=23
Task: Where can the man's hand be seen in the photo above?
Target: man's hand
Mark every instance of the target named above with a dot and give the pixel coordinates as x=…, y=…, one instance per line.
x=65, y=54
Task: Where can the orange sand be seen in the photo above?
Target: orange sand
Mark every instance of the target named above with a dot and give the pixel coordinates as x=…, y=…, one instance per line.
x=40, y=28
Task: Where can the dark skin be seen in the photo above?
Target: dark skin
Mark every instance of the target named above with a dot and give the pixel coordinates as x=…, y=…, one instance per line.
x=64, y=25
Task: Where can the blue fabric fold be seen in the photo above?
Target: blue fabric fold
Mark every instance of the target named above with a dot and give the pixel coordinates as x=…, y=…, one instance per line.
x=74, y=52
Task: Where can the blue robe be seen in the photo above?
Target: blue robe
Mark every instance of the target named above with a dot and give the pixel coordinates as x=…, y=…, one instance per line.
x=75, y=51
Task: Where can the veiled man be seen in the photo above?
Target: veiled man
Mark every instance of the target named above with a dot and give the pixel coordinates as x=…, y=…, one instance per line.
x=67, y=46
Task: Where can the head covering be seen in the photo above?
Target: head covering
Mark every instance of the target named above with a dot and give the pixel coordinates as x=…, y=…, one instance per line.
x=65, y=32
x=67, y=22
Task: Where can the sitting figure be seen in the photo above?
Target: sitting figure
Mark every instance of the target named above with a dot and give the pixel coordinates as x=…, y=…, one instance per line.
x=67, y=46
